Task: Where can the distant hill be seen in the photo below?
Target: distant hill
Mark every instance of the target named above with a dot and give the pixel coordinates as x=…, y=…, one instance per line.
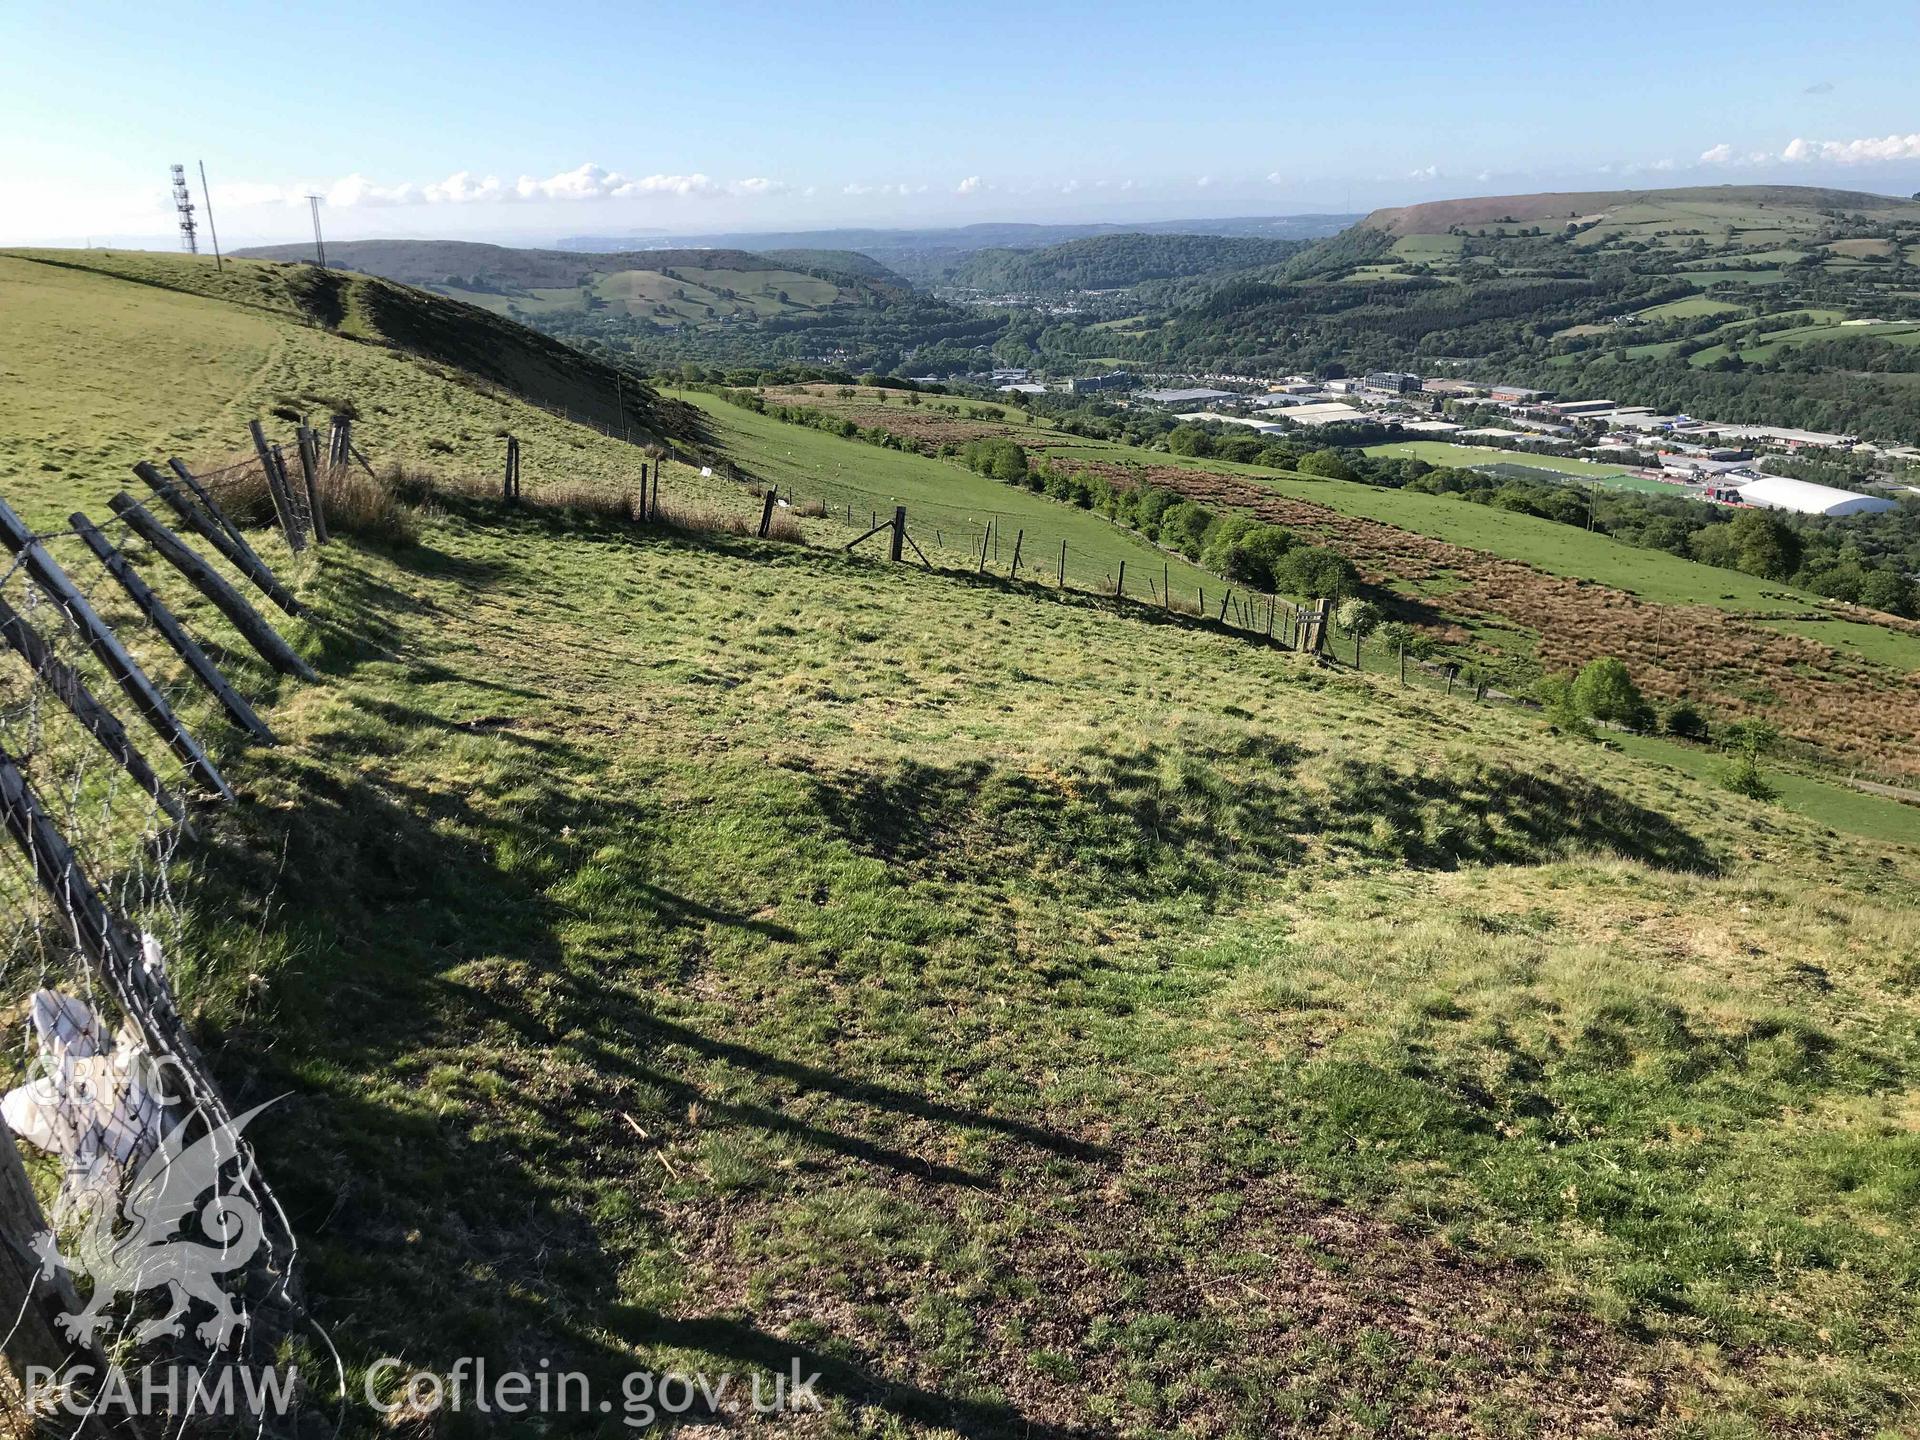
x=673, y=306
x=1770, y=304
x=678, y=286
x=929, y=256
x=1438, y=217
x=1106, y=262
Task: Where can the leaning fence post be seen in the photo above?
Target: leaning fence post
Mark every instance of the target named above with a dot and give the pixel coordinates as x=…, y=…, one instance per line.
x=218, y=531
x=1019, y=538
x=212, y=584
x=899, y=531
x=163, y=619
x=277, y=488
x=766, y=519
x=94, y=718
x=1120, y=585
x=112, y=655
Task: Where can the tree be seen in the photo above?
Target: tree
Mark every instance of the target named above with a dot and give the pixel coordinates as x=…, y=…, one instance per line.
x=1887, y=591
x=1314, y=572
x=1686, y=721
x=1605, y=690
x=1768, y=547
x=1328, y=464
x=1357, y=616
x=1190, y=440
x=1564, y=712
x=1750, y=739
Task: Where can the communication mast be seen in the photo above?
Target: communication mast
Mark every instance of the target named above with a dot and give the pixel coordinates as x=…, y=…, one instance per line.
x=183, y=203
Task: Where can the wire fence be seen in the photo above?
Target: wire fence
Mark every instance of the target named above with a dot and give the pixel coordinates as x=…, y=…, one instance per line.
x=1009, y=544
x=128, y=661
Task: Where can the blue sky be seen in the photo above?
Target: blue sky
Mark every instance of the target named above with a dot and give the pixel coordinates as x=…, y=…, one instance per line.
x=497, y=121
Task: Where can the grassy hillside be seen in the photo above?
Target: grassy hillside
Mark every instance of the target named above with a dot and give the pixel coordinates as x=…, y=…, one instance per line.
x=1038, y=1016
x=114, y=357
x=1518, y=595
x=1108, y=262
x=1686, y=300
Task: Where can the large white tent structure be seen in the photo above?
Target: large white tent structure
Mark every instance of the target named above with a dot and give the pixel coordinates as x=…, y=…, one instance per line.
x=1783, y=492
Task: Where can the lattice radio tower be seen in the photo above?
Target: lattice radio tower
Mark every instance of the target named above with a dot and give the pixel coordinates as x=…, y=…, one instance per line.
x=183, y=203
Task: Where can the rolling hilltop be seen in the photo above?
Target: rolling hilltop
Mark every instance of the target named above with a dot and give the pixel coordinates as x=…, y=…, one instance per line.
x=672, y=287
x=1039, y=1012
x=1438, y=217
x=652, y=305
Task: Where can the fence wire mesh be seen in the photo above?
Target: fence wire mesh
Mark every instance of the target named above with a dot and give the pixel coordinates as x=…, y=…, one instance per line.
x=104, y=749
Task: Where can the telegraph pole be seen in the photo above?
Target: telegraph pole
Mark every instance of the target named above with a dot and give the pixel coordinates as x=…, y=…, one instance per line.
x=319, y=244
x=206, y=203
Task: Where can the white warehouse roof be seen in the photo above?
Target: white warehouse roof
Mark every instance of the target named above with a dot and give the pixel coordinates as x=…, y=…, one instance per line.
x=1782, y=492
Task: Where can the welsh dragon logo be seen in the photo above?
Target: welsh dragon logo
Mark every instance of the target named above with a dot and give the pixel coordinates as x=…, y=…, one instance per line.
x=142, y=1240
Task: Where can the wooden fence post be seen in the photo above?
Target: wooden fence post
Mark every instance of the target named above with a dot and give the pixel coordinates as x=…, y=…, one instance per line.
x=239, y=554
x=1062, y=582
x=1019, y=538
x=766, y=517
x=112, y=655
x=32, y=1341
x=208, y=503
x=899, y=539
x=1120, y=585
x=1403, y=665
x=212, y=584
x=94, y=718
x=277, y=488
x=170, y=628
x=1166, y=585
x=310, y=473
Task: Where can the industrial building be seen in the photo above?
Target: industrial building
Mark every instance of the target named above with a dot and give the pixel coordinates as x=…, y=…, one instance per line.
x=1091, y=384
x=1395, y=382
x=1190, y=397
x=1782, y=492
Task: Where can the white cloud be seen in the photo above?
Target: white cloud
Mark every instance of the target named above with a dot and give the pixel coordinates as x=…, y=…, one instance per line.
x=972, y=185
x=1205, y=182
x=1426, y=172
x=858, y=187
x=1721, y=154
x=464, y=187
x=1874, y=150
x=760, y=185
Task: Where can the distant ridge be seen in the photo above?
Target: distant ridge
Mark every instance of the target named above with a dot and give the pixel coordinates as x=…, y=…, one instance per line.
x=1436, y=217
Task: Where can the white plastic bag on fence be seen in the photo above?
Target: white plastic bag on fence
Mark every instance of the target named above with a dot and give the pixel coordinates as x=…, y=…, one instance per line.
x=95, y=1100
